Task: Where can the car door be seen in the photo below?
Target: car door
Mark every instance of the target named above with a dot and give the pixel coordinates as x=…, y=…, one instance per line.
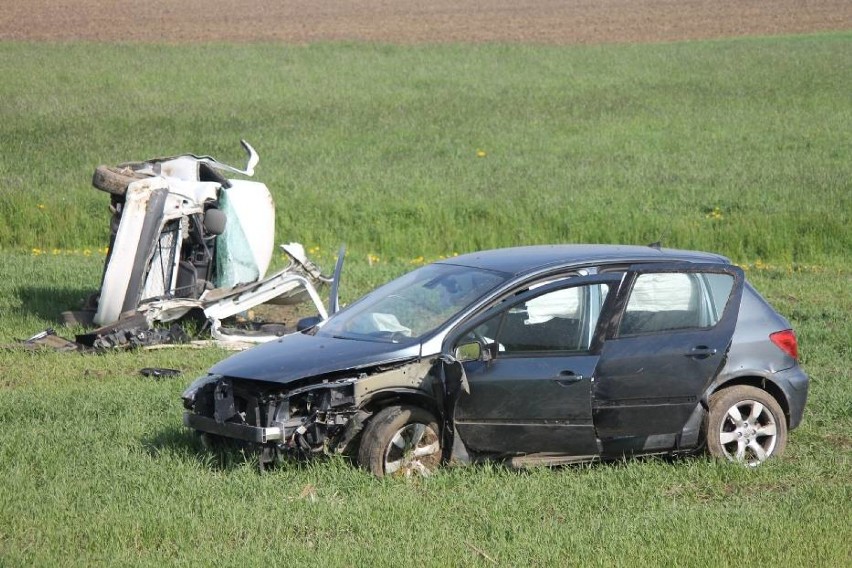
x=667, y=337
x=534, y=393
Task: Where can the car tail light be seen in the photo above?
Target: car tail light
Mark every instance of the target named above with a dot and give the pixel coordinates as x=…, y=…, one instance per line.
x=786, y=342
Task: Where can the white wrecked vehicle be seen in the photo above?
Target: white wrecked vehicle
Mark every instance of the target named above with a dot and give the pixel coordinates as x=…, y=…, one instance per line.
x=184, y=237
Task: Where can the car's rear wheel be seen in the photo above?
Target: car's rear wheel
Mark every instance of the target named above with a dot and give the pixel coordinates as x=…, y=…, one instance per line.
x=745, y=424
x=401, y=440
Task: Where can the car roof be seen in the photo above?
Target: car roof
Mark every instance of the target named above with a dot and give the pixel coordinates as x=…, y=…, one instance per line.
x=520, y=260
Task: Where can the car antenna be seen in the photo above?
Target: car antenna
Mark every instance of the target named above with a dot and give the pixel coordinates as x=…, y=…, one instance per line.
x=658, y=244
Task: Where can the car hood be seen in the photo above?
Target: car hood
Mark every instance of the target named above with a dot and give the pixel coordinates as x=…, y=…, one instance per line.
x=298, y=356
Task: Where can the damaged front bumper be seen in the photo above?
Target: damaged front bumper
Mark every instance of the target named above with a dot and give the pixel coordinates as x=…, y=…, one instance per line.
x=307, y=420
x=242, y=432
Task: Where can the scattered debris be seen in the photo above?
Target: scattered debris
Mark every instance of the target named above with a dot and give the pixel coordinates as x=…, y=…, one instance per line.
x=48, y=339
x=158, y=372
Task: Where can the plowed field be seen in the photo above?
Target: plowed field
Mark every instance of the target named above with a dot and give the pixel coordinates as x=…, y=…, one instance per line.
x=414, y=21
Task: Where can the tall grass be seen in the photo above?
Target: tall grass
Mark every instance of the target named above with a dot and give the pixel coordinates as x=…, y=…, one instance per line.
x=737, y=146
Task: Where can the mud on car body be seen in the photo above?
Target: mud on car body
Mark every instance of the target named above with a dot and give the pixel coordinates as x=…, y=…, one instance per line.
x=546, y=354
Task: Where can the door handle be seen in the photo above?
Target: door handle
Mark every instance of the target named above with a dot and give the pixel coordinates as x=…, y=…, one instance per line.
x=566, y=378
x=701, y=352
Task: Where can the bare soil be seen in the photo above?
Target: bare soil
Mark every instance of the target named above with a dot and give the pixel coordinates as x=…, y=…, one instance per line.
x=414, y=21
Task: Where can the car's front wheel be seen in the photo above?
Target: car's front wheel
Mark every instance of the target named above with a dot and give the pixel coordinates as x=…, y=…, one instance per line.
x=745, y=424
x=401, y=440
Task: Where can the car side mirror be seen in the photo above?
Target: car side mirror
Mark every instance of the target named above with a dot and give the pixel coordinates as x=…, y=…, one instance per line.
x=472, y=351
x=308, y=323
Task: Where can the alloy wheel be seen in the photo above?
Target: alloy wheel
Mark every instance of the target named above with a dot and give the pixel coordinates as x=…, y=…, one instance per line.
x=748, y=432
x=414, y=449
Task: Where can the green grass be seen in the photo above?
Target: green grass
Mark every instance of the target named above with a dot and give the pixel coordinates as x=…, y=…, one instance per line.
x=739, y=146
x=377, y=145
x=97, y=469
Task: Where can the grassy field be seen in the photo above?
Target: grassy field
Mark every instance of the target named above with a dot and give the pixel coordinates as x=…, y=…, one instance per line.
x=736, y=146
x=740, y=147
x=96, y=469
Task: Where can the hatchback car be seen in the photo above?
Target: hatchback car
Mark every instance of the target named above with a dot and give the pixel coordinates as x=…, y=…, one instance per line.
x=535, y=355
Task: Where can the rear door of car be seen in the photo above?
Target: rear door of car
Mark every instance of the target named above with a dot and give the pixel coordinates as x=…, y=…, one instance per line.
x=667, y=337
x=534, y=394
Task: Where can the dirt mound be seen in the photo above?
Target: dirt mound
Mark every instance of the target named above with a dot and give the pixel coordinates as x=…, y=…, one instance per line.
x=415, y=21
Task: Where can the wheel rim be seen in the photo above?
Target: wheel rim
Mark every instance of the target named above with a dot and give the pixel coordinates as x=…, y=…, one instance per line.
x=414, y=449
x=748, y=433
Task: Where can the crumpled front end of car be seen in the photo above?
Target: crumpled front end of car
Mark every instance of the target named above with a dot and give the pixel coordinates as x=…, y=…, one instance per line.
x=300, y=421
x=302, y=416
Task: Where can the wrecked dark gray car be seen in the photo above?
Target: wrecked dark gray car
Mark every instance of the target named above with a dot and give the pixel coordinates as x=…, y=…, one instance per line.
x=535, y=355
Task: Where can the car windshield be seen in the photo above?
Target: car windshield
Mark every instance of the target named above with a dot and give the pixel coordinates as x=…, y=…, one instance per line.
x=413, y=305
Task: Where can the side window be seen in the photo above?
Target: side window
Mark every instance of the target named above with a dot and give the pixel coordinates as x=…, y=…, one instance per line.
x=668, y=301
x=558, y=321
x=718, y=289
